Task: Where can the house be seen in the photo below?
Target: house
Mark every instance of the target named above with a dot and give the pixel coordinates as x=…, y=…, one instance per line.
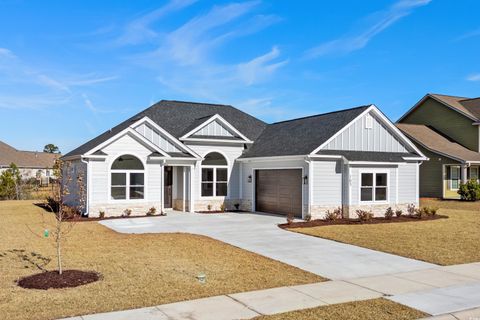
x=32, y=164
x=195, y=157
x=447, y=130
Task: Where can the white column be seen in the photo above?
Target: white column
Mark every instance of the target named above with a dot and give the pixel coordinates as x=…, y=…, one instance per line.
x=192, y=185
x=162, y=187
x=464, y=173
x=184, y=189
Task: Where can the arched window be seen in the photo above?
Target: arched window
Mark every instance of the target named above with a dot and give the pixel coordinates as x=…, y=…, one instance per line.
x=214, y=175
x=127, y=179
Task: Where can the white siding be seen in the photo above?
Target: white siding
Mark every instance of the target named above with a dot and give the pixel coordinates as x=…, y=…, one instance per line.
x=231, y=153
x=357, y=137
x=214, y=128
x=355, y=182
x=327, y=183
x=249, y=167
x=156, y=138
x=407, y=183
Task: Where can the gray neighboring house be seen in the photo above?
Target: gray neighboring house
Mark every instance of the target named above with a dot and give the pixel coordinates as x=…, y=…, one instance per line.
x=32, y=164
x=196, y=156
x=447, y=130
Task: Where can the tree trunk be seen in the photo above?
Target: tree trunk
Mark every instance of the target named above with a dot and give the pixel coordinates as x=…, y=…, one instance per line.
x=59, y=251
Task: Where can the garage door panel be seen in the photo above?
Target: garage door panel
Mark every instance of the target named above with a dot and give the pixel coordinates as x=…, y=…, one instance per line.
x=279, y=191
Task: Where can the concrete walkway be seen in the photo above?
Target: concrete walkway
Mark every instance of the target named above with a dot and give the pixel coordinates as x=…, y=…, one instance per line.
x=447, y=292
x=259, y=233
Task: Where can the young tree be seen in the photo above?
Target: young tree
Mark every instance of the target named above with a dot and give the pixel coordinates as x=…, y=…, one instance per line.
x=51, y=148
x=10, y=183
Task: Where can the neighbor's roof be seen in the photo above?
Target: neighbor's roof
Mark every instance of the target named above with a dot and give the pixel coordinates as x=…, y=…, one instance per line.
x=436, y=142
x=179, y=117
x=26, y=159
x=370, y=156
x=301, y=136
x=470, y=107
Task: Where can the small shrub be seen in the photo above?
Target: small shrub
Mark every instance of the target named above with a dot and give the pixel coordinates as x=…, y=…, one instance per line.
x=290, y=218
x=411, y=209
x=336, y=214
x=364, y=215
x=127, y=212
x=389, y=213
x=70, y=212
x=101, y=214
x=398, y=213
x=237, y=206
x=308, y=217
x=53, y=204
x=222, y=207
x=421, y=212
x=429, y=211
x=151, y=211
x=469, y=191
x=209, y=207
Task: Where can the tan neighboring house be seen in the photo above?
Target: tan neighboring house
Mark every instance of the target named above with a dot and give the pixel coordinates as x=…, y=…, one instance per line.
x=447, y=130
x=32, y=164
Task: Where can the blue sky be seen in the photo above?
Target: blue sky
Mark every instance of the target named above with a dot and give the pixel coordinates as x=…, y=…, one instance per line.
x=70, y=70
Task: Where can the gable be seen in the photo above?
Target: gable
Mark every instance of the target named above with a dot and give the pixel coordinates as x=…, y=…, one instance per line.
x=214, y=129
x=157, y=138
x=368, y=133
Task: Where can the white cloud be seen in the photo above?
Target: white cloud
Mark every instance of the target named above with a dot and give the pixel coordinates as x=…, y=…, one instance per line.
x=260, y=67
x=6, y=53
x=358, y=40
x=474, y=77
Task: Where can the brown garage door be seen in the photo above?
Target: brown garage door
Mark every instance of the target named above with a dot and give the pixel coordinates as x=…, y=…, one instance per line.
x=279, y=191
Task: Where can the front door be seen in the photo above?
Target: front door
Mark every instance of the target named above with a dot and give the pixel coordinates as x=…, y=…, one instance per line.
x=167, y=187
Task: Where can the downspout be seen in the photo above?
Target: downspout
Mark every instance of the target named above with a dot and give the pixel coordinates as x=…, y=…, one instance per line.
x=87, y=201
x=310, y=180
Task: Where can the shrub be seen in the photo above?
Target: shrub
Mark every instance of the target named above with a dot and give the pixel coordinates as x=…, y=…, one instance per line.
x=430, y=211
x=70, y=212
x=209, y=207
x=364, y=215
x=151, y=211
x=411, y=209
x=469, y=191
x=290, y=218
x=334, y=215
x=398, y=213
x=53, y=204
x=222, y=207
x=127, y=212
x=237, y=206
x=421, y=212
x=389, y=213
x=308, y=217
x=101, y=214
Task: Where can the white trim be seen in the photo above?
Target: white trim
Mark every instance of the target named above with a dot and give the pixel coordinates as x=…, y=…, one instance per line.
x=444, y=178
x=375, y=163
x=126, y=171
x=226, y=141
x=384, y=119
x=417, y=181
x=254, y=200
x=373, y=171
x=184, y=194
x=415, y=159
x=274, y=158
x=222, y=120
x=229, y=171
x=148, y=142
x=459, y=177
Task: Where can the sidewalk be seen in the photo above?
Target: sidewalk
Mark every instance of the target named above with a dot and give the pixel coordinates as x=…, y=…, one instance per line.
x=437, y=291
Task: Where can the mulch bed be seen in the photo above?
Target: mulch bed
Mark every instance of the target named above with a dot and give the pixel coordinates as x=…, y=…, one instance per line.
x=218, y=211
x=53, y=280
x=87, y=219
x=319, y=223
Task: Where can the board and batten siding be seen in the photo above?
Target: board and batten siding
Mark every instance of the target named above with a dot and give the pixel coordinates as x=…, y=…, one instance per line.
x=214, y=128
x=231, y=152
x=357, y=137
x=327, y=183
x=155, y=137
x=248, y=167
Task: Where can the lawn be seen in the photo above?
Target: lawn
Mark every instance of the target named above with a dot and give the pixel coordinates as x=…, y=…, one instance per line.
x=376, y=309
x=444, y=241
x=138, y=270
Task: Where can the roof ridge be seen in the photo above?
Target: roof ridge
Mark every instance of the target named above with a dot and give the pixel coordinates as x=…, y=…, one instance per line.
x=193, y=102
x=448, y=95
x=468, y=99
x=322, y=114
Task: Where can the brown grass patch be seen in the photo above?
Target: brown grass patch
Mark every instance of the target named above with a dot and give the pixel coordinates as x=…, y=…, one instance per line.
x=443, y=241
x=376, y=309
x=138, y=270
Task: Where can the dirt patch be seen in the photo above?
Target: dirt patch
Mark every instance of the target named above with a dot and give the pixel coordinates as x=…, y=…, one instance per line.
x=319, y=223
x=54, y=280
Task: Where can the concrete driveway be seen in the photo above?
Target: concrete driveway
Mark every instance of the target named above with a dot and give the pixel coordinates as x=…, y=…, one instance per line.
x=259, y=233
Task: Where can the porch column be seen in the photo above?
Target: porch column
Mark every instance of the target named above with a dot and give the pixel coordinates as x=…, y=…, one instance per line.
x=162, y=187
x=184, y=195
x=192, y=206
x=464, y=173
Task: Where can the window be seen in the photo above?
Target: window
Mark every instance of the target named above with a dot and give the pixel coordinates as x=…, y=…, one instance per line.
x=474, y=171
x=214, y=175
x=373, y=187
x=127, y=178
x=454, y=177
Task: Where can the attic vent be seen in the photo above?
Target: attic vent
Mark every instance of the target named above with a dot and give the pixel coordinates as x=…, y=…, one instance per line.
x=368, y=122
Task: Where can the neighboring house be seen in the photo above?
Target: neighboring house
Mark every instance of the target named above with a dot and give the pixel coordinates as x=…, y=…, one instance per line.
x=195, y=157
x=32, y=164
x=447, y=130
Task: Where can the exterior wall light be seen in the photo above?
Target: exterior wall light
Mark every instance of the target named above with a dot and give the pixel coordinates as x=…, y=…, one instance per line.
x=249, y=179
x=305, y=179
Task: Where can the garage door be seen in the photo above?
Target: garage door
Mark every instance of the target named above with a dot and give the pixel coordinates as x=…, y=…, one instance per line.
x=279, y=191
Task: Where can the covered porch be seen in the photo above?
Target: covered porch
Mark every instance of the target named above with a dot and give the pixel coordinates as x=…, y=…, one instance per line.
x=456, y=174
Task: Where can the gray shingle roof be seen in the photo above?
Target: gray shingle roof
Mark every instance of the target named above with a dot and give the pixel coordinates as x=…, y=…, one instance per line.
x=178, y=118
x=300, y=136
x=369, y=155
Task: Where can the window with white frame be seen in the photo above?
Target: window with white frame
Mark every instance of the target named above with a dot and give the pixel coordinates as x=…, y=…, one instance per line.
x=127, y=179
x=474, y=173
x=214, y=175
x=454, y=177
x=373, y=186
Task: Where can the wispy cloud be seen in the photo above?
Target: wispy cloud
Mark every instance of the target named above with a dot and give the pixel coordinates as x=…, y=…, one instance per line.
x=260, y=67
x=358, y=40
x=139, y=30
x=474, y=77
x=468, y=35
